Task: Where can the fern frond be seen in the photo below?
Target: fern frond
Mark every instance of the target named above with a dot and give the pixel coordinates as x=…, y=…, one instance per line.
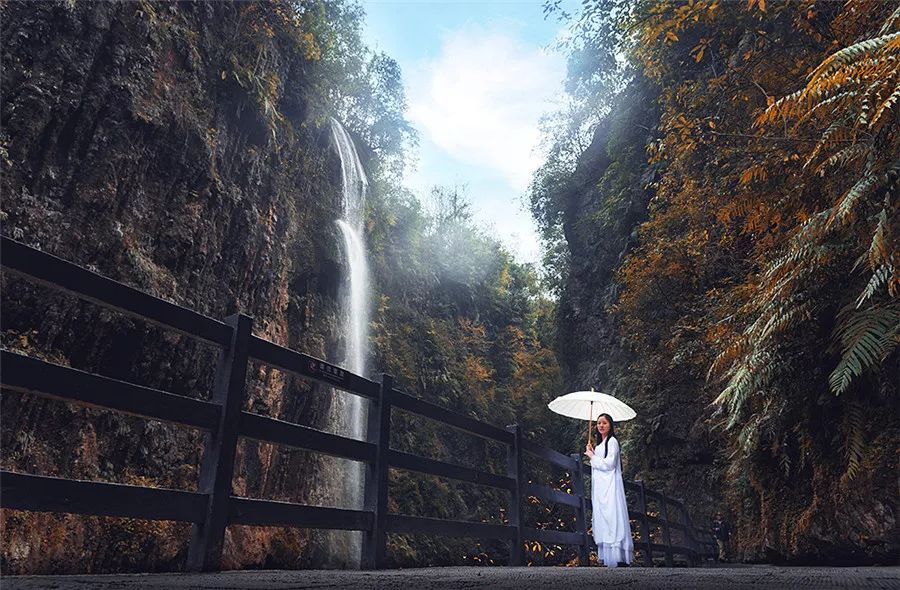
x=783, y=284
x=751, y=379
x=746, y=438
x=879, y=279
x=786, y=316
x=737, y=348
x=880, y=116
x=867, y=337
x=854, y=439
x=803, y=247
x=879, y=250
x=838, y=133
x=785, y=460
x=846, y=78
x=778, y=109
x=842, y=158
x=849, y=54
x=831, y=101
x=736, y=385
x=864, y=186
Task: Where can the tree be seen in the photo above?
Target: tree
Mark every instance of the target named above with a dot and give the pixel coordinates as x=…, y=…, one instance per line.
x=764, y=278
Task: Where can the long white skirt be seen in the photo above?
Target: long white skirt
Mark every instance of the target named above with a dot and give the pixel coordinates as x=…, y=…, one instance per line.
x=612, y=531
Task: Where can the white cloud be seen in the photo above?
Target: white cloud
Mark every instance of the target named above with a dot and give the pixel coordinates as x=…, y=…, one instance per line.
x=481, y=98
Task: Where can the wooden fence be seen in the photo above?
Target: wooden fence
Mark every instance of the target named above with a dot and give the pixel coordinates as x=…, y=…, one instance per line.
x=213, y=507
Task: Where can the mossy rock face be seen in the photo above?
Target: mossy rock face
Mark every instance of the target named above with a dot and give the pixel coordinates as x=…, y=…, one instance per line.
x=129, y=148
x=606, y=203
x=799, y=509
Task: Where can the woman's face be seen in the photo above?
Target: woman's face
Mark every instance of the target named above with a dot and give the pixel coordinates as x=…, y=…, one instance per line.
x=603, y=426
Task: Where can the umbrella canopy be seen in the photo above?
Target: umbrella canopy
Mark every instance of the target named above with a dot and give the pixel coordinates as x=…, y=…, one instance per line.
x=588, y=405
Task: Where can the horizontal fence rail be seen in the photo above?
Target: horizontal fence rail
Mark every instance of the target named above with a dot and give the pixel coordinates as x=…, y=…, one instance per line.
x=29, y=375
x=61, y=275
x=213, y=507
x=398, y=523
x=551, y=495
x=441, y=469
x=555, y=537
x=548, y=455
x=408, y=403
x=270, y=430
x=304, y=365
x=246, y=511
x=53, y=494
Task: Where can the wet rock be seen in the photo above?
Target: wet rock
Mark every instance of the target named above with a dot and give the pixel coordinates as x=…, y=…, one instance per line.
x=127, y=154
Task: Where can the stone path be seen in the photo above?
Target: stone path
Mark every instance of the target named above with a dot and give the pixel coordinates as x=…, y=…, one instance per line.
x=504, y=578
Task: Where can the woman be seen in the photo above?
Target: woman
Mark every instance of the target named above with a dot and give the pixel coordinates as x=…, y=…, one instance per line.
x=612, y=531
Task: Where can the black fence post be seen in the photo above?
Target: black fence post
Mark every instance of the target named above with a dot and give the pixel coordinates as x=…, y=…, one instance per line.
x=217, y=467
x=645, y=527
x=584, y=557
x=516, y=497
x=376, y=493
x=667, y=537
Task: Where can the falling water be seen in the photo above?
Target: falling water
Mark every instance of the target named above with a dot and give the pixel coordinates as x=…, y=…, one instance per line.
x=354, y=184
x=348, y=412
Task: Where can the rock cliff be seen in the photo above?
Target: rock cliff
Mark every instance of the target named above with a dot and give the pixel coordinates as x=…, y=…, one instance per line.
x=604, y=203
x=172, y=147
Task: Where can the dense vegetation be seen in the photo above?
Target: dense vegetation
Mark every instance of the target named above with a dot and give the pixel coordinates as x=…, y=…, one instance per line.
x=177, y=148
x=456, y=321
x=740, y=278
x=463, y=325
x=719, y=209
x=185, y=149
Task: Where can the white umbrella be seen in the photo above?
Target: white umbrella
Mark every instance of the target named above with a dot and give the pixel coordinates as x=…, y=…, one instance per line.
x=588, y=405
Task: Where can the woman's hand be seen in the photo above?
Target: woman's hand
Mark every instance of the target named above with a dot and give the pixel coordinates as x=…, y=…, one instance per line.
x=589, y=450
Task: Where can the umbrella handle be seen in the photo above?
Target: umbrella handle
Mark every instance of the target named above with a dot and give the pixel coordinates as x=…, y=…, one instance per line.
x=590, y=414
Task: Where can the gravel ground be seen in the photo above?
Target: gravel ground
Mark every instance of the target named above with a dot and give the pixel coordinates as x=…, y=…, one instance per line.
x=507, y=578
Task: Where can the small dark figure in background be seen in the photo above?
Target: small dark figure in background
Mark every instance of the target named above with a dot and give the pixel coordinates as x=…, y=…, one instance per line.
x=722, y=532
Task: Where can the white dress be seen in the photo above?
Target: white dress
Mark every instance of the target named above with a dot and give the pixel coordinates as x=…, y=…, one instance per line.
x=612, y=531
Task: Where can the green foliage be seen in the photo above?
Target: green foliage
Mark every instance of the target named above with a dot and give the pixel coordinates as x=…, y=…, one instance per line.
x=267, y=43
x=594, y=79
x=463, y=325
x=362, y=88
x=854, y=435
x=867, y=337
x=378, y=111
x=766, y=218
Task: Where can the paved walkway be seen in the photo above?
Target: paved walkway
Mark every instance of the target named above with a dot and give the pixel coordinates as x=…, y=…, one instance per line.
x=505, y=578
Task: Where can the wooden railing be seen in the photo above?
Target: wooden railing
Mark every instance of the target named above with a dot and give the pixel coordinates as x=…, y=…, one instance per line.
x=213, y=507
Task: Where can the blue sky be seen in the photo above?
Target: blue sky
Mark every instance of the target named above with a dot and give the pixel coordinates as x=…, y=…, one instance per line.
x=478, y=77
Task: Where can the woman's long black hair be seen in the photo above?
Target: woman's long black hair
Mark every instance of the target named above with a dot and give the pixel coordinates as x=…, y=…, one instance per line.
x=612, y=432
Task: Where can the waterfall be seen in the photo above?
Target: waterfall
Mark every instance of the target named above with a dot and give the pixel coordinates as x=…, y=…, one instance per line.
x=354, y=186
x=348, y=411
